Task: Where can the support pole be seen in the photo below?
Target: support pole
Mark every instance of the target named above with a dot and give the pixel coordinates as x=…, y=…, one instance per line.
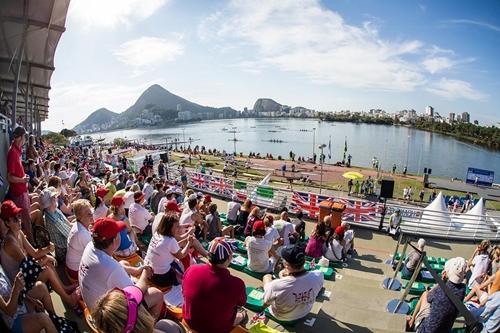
x=16, y=85
x=26, y=99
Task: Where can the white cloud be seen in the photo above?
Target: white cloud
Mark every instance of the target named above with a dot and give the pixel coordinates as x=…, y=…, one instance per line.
x=455, y=89
x=306, y=38
x=480, y=24
x=112, y=13
x=73, y=102
x=145, y=52
x=437, y=64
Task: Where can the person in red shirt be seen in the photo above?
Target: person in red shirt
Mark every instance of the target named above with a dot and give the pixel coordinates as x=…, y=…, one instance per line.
x=18, y=180
x=212, y=296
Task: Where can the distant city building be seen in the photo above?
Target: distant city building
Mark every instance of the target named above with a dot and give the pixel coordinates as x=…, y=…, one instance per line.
x=459, y=118
x=179, y=107
x=465, y=117
x=451, y=117
x=184, y=115
x=429, y=111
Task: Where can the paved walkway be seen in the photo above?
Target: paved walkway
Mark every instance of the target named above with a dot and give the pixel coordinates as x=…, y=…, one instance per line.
x=488, y=193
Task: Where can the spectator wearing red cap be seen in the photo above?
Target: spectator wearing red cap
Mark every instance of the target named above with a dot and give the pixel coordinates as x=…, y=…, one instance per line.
x=100, y=208
x=99, y=272
x=295, y=282
x=214, y=223
x=35, y=264
x=212, y=296
x=18, y=180
x=140, y=218
x=79, y=236
x=128, y=244
x=170, y=206
x=261, y=256
x=164, y=249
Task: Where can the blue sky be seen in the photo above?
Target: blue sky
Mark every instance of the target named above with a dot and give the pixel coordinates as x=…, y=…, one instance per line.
x=324, y=55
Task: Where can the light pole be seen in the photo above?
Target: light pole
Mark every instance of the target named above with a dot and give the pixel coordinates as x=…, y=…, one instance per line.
x=314, y=140
x=408, y=152
x=321, y=147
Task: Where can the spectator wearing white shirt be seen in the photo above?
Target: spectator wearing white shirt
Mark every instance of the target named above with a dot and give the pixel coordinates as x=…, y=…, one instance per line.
x=129, y=196
x=139, y=216
x=169, y=206
x=79, y=236
x=164, y=249
x=261, y=256
x=233, y=208
x=285, y=228
x=292, y=296
x=148, y=189
x=100, y=210
x=100, y=272
x=479, y=263
x=272, y=234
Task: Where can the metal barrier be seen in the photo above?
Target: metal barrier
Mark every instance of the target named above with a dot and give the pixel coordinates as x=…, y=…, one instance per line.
x=363, y=213
x=400, y=305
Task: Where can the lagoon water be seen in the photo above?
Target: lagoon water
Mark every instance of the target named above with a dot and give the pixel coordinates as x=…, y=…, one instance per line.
x=446, y=156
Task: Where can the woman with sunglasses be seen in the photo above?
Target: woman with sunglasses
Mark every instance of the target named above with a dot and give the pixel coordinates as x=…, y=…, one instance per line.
x=17, y=254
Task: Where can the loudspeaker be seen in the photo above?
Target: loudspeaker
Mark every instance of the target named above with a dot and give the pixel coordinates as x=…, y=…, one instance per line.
x=429, y=171
x=164, y=157
x=386, y=188
x=425, y=170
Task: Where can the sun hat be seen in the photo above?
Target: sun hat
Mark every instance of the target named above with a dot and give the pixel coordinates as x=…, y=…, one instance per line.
x=101, y=192
x=455, y=269
x=9, y=210
x=172, y=205
x=294, y=254
x=421, y=244
x=47, y=195
x=107, y=228
x=220, y=249
x=259, y=225
x=117, y=201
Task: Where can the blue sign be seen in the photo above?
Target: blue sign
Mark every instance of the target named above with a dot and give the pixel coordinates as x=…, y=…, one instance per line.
x=480, y=177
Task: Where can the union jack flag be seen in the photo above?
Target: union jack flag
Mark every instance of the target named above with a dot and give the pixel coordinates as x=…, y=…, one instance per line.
x=308, y=203
x=359, y=211
x=198, y=180
x=219, y=185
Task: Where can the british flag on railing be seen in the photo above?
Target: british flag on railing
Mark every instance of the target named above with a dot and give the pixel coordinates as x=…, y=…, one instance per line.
x=198, y=180
x=308, y=203
x=359, y=211
x=221, y=186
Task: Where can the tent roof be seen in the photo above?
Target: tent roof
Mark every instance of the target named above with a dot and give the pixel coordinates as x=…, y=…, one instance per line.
x=31, y=28
x=436, y=212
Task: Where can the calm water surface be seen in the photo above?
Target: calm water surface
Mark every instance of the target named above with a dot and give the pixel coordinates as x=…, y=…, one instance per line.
x=390, y=144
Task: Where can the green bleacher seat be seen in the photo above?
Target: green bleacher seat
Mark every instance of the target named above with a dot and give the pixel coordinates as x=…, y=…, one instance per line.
x=255, y=299
x=413, y=304
x=417, y=288
x=241, y=248
x=239, y=262
x=328, y=272
x=437, y=267
x=432, y=260
x=442, y=261
x=256, y=275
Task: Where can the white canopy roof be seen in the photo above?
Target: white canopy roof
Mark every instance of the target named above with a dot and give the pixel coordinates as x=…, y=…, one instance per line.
x=437, y=213
x=31, y=29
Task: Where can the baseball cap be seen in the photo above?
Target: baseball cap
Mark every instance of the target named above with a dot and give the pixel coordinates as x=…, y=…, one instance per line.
x=455, y=269
x=107, y=228
x=172, y=205
x=294, y=254
x=219, y=249
x=9, y=210
x=101, y=192
x=207, y=198
x=113, y=177
x=259, y=225
x=18, y=131
x=117, y=201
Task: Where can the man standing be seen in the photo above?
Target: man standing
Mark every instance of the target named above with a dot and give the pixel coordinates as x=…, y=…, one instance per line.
x=18, y=180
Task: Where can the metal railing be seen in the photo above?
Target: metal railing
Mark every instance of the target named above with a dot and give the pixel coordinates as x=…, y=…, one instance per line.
x=360, y=212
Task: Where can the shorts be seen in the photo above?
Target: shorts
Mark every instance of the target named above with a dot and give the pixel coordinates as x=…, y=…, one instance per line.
x=23, y=201
x=165, y=280
x=71, y=273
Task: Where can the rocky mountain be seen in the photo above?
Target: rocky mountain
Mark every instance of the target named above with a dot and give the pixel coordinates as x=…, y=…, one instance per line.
x=101, y=116
x=266, y=105
x=156, y=106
